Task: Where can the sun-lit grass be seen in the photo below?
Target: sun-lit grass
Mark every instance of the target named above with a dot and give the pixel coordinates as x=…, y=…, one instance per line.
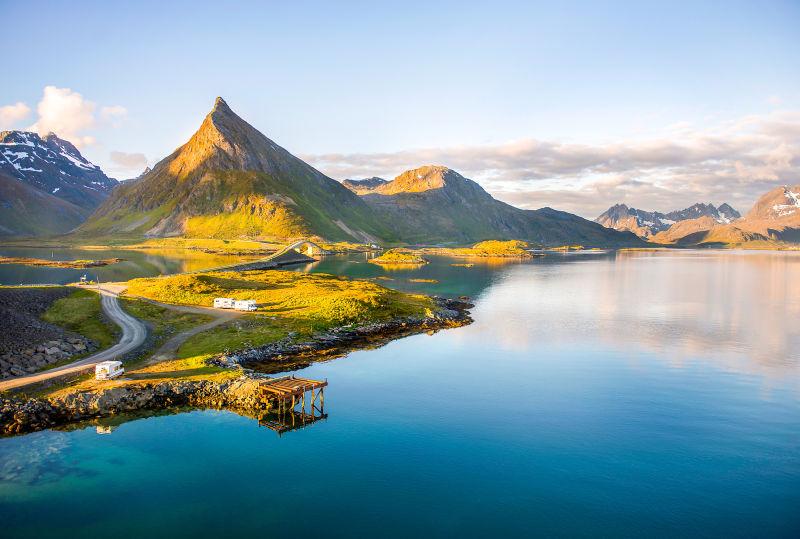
x=399, y=256
x=486, y=249
x=319, y=299
x=81, y=312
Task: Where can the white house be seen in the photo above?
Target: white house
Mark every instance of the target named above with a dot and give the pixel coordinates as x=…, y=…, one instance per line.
x=107, y=370
x=224, y=303
x=245, y=305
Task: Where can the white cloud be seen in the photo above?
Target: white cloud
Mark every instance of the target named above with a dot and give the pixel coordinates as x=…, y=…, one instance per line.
x=65, y=113
x=68, y=114
x=11, y=114
x=128, y=164
x=731, y=162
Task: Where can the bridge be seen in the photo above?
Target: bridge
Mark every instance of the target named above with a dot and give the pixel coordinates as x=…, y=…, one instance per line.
x=299, y=252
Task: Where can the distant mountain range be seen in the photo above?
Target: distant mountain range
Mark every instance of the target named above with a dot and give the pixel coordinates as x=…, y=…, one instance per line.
x=647, y=224
x=46, y=185
x=231, y=181
x=773, y=220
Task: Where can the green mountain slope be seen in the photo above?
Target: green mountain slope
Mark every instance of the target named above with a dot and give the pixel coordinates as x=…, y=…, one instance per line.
x=28, y=211
x=230, y=181
x=433, y=204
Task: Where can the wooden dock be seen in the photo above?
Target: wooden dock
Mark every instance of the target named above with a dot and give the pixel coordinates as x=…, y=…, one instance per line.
x=287, y=393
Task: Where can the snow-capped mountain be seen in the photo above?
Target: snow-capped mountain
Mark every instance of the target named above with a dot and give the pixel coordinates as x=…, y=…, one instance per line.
x=647, y=224
x=46, y=186
x=55, y=166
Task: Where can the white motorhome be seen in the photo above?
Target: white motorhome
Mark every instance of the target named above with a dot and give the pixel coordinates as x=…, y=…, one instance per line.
x=245, y=305
x=224, y=303
x=108, y=370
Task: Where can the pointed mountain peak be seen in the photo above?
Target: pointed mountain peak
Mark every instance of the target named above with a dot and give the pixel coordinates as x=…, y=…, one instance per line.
x=221, y=108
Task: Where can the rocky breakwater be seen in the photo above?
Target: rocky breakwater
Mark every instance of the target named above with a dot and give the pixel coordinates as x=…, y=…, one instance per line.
x=29, y=360
x=29, y=344
x=288, y=353
x=18, y=416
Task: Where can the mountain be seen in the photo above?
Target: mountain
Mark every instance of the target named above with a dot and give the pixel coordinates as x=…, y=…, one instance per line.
x=361, y=187
x=647, y=224
x=231, y=181
x=433, y=204
x=46, y=186
x=774, y=219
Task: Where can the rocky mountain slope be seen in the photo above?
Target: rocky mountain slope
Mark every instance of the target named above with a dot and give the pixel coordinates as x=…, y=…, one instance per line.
x=46, y=185
x=647, y=224
x=362, y=187
x=230, y=181
x=433, y=204
x=774, y=219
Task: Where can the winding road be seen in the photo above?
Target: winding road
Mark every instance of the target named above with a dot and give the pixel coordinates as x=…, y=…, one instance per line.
x=134, y=334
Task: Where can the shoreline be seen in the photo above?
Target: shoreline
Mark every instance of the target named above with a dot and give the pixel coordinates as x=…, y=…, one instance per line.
x=20, y=415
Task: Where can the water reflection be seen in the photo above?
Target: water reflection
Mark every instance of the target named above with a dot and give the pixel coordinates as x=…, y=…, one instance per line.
x=738, y=309
x=145, y=263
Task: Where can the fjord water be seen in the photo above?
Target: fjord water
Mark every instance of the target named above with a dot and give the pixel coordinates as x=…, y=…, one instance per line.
x=619, y=394
x=145, y=263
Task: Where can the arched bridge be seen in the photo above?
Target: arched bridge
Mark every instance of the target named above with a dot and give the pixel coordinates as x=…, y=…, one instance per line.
x=299, y=252
x=306, y=247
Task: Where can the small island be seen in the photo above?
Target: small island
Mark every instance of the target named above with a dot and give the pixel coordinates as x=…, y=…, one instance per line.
x=487, y=249
x=72, y=264
x=399, y=256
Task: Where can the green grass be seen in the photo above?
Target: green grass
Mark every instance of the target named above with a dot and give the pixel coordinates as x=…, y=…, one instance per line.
x=318, y=299
x=81, y=312
x=164, y=321
x=246, y=332
x=399, y=256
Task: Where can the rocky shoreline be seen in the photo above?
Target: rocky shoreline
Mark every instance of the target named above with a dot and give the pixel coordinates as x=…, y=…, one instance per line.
x=287, y=354
x=20, y=415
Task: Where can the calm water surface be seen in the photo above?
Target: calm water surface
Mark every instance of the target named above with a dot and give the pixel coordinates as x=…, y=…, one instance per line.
x=146, y=263
x=639, y=394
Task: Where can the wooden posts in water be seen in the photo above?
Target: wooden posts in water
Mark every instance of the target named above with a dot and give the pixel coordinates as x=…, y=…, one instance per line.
x=282, y=391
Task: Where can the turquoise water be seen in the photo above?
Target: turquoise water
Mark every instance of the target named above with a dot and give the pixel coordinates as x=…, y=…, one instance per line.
x=148, y=263
x=644, y=394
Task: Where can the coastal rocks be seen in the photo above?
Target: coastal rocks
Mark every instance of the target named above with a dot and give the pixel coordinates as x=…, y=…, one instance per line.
x=27, y=343
x=16, y=362
x=19, y=416
x=287, y=352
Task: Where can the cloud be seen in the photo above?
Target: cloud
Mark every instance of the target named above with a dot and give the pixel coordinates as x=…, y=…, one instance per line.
x=11, y=114
x=128, y=161
x=731, y=162
x=66, y=113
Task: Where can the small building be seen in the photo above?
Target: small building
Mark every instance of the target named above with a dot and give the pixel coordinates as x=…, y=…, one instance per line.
x=224, y=303
x=245, y=305
x=108, y=370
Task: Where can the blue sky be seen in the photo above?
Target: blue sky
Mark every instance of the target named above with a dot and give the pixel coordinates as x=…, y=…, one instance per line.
x=565, y=90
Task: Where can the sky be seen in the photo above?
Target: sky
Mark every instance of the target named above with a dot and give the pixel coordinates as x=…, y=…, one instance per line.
x=573, y=105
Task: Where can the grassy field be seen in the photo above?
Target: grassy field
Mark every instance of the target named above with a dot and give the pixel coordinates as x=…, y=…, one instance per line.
x=487, y=249
x=318, y=300
x=81, y=312
x=399, y=256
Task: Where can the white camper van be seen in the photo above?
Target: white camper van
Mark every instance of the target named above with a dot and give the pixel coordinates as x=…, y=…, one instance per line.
x=108, y=370
x=224, y=303
x=245, y=305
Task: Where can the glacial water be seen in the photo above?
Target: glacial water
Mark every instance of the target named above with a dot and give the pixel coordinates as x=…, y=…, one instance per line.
x=619, y=394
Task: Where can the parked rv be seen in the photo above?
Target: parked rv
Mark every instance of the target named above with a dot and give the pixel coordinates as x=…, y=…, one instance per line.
x=245, y=305
x=224, y=303
x=108, y=370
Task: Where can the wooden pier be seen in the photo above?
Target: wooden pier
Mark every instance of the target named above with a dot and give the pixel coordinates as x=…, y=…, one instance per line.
x=287, y=393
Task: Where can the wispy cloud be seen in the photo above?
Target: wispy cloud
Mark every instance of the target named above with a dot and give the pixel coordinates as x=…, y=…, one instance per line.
x=66, y=113
x=733, y=161
x=127, y=164
x=11, y=115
